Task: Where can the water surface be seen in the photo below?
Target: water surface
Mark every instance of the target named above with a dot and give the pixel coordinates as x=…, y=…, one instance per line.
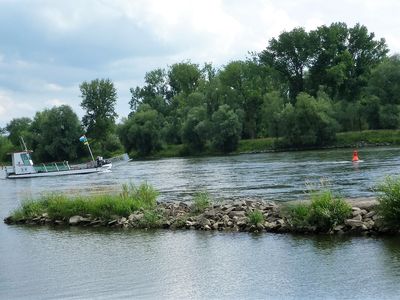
x=54, y=263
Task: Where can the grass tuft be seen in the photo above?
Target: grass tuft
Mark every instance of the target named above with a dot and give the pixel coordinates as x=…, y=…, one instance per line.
x=201, y=201
x=256, y=217
x=58, y=206
x=389, y=201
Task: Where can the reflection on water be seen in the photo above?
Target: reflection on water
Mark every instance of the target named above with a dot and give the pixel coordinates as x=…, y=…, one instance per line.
x=53, y=263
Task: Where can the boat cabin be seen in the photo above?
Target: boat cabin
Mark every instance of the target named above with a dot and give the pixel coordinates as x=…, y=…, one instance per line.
x=22, y=163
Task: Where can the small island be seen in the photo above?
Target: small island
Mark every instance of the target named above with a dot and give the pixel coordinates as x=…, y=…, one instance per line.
x=137, y=207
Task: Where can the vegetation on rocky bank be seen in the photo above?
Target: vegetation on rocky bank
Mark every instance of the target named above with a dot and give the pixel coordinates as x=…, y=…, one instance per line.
x=136, y=207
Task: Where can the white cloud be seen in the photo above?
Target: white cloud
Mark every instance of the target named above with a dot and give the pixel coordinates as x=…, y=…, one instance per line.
x=57, y=45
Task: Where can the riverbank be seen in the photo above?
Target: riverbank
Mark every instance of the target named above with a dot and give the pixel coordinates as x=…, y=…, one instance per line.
x=352, y=139
x=240, y=215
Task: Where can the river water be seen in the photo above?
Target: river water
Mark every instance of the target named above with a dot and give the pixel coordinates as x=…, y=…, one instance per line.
x=54, y=263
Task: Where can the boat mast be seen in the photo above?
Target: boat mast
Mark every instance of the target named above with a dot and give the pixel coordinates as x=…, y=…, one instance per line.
x=23, y=145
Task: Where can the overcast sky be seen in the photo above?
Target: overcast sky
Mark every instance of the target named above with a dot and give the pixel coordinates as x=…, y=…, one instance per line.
x=48, y=47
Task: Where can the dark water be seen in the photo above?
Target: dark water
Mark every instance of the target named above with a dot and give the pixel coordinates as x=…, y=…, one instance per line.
x=49, y=263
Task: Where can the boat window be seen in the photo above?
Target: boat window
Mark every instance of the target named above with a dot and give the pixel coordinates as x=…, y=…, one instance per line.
x=25, y=158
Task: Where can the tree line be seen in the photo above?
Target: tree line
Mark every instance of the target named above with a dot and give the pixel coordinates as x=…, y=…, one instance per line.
x=302, y=89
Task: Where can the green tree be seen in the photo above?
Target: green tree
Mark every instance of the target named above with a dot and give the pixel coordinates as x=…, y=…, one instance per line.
x=184, y=77
x=142, y=131
x=384, y=81
x=5, y=147
x=291, y=55
x=310, y=123
x=195, y=129
x=98, y=100
x=226, y=129
x=17, y=128
x=272, y=114
x=55, y=134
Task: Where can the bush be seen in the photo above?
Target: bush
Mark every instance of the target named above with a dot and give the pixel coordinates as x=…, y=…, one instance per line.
x=325, y=211
x=201, y=202
x=297, y=215
x=256, y=217
x=389, y=201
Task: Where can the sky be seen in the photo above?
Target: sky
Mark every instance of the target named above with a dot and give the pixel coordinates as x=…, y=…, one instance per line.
x=49, y=47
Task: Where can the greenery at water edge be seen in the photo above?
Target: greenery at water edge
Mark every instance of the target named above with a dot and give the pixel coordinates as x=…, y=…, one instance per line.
x=201, y=201
x=389, y=201
x=256, y=217
x=62, y=207
x=324, y=211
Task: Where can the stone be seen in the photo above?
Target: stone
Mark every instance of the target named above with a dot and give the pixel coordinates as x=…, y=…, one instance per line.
x=112, y=222
x=166, y=224
x=338, y=228
x=135, y=217
x=240, y=213
x=353, y=223
x=357, y=217
x=206, y=227
x=75, y=220
x=204, y=222
x=370, y=214
x=241, y=222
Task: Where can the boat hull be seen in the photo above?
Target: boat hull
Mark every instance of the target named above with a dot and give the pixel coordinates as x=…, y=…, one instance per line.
x=62, y=173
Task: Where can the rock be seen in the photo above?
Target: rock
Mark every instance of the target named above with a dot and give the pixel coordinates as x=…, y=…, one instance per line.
x=338, y=228
x=209, y=214
x=59, y=222
x=353, y=223
x=112, y=222
x=166, y=224
x=370, y=214
x=216, y=225
x=204, y=222
x=241, y=222
x=8, y=220
x=357, y=217
x=135, y=217
x=207, y=227
x=75, y=220
x=240, y=213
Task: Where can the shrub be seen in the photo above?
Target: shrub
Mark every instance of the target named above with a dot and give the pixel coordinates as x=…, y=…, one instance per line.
x=389, y=201
x=255, y=217
x=201, y=202
x=297, y=215
x=325, y=211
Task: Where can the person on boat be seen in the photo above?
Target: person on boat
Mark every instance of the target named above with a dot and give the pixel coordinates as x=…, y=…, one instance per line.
x=355, y=156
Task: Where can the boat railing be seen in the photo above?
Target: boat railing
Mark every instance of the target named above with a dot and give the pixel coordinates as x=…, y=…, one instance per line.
x=52, y=167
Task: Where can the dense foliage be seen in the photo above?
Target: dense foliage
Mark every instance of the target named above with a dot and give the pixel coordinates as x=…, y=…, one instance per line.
x=302, y=89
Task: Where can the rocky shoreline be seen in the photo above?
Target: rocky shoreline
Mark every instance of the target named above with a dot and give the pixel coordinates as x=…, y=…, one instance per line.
x=227, y=216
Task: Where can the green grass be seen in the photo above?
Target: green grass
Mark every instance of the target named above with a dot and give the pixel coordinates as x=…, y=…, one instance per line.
x=389, y=201
x=368, y=136
x=59, y=206
x=201, y=201
x=324, y=211
x=256, y=145
x=256, y=217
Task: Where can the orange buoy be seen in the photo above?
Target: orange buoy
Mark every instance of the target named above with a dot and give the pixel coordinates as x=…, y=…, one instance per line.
x=355, y=156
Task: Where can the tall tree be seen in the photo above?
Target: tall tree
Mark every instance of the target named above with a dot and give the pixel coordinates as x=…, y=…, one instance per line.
x=55, y=134
x=17, y=128
x=290, y=54
x=99, y=99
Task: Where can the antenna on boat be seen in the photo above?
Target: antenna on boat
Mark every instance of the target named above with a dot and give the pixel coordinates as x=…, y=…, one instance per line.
x=23, y=145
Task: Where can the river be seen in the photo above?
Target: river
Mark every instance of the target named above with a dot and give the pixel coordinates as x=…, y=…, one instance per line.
x=54, y=263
